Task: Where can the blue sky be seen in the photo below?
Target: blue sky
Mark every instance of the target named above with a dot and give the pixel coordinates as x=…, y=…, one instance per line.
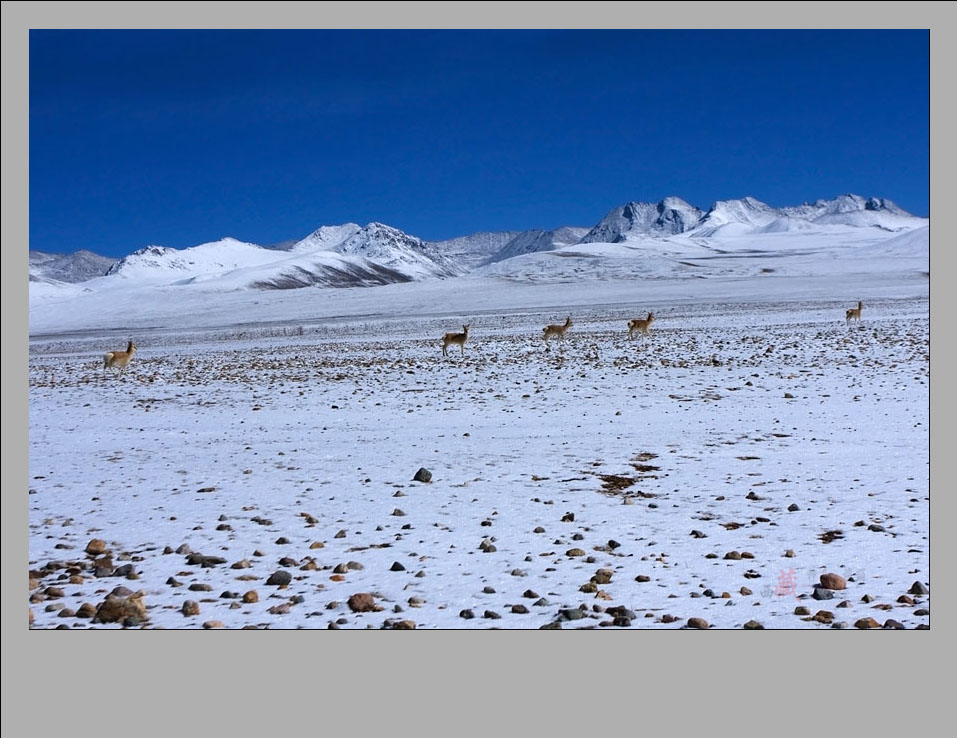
x=180, y=137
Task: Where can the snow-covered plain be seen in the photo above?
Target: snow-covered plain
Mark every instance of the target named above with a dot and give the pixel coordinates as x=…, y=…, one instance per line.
x=281, y=430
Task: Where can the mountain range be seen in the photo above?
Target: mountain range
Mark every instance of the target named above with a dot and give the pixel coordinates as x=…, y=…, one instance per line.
x=352, y=255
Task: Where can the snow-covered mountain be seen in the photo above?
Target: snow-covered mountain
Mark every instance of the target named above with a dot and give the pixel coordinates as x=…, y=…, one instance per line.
x=167, y=265
x=530, y=242
x=76, y=267
x=745, y=216
x=469, y=252
x=325, y=238
x=854, y=210
x=668, y=217
x=398, y=251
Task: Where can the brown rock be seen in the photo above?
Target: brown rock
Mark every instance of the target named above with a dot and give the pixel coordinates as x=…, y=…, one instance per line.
x=801, y=610
x=190, y=608
x=362, y=602
x=86, y=610
x=317, y=544
x=866, y=623
x=698, y=623
x=573, y=552
x=833, y=581
x=823, y=616
x=210, y=624
x=114, y=609
x=251, y=596
x=745, y=591
x=602, y=576
x=753, y=625
x=96, y=547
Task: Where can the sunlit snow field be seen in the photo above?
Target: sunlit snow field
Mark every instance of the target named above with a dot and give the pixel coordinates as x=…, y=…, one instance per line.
x=280, y=431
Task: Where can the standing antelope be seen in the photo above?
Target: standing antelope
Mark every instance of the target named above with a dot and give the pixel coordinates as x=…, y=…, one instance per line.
x=119, y=359
x=854, y=313
x=557, y=330
x=640, y=325
x=455, y=338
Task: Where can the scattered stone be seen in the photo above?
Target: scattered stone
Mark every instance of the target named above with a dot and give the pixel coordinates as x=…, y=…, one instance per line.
x=556, y=625
x=642, y=578
x=116, y=609
x=588, y=588
x=488, y=590
x=602, y=576
x=753, y=625
x=568, y=517
x=893, y=625
x=340, y=534
x=86, y=610
x=822, y=594
x=613, y=544
x=905, y=600
x=519, y=609
x=466, y=614
x=422, y=475
x=362, y=602
x=571, y=613
x=918, y=588
x=280, y=578
x=922, y=612
x=711, y=555
x=398, y=513
x=199, y=587
x=867, y=598
x=733, y=556
x=288, y=561
x=282, y=541
x=833, y=581
x=801, y=610
x=698, y=534
x=573, y=552
x=317, y=544
x=396, y=566
x=823, y=616
x=529, y=594
x=876, y=528
x=282, y=609
x=539, y=529
x=416, y=602
x=190, y=608
x=793, y=508
x=96, y=547
x=486, y=546
x=698, y=623
x=211, y=624
x=745, y=591
x=398, y=625
x=669, y=619
x=865, y=623
x=491, y=615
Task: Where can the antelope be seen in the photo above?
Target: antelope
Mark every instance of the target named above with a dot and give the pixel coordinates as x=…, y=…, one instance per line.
x=640, y=325
x=119, y=359
x=458, y=339
x=854, y=313
x=557, y=330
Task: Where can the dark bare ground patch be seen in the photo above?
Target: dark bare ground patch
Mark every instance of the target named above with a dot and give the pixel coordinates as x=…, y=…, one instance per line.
x=831, y=535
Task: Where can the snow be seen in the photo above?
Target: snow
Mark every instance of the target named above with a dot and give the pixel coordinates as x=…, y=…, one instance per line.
x=249, y=416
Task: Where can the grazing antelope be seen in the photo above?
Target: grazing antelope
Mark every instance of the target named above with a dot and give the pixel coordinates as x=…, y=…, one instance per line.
x=640, y=325
x=557, y=330
x=854, y=313
x=458, y=339
x=119, y=359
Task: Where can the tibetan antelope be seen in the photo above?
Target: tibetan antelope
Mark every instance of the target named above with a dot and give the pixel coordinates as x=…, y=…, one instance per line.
x=854, y=313
x=640, y=325
x=458, y=339
x=119, y=359
x=557, y=330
